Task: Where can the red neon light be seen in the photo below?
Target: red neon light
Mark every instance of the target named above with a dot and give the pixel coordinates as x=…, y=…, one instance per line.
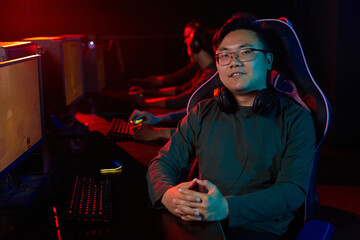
x=57, y=223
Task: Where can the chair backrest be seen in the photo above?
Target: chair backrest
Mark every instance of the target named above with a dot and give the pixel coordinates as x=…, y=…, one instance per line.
x=289, y=63
x=205, y=91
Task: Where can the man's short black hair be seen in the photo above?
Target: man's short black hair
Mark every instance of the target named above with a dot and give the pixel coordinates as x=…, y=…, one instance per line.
x=241, y=21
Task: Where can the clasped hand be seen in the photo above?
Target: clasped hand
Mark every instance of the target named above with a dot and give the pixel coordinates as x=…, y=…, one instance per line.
x=191, y=205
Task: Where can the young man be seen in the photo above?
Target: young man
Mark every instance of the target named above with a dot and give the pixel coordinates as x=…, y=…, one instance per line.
x=254, y=165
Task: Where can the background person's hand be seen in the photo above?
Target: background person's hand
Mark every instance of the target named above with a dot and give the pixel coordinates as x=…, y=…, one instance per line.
x=137, y=98
x=145, y=132
x=136, y=90
x=147, y=118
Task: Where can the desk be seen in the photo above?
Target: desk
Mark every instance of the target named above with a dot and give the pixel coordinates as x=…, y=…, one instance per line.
x=142, y=152
x=63, y=158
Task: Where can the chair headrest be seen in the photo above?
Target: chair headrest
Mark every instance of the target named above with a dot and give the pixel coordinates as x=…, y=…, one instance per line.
x=290, y=63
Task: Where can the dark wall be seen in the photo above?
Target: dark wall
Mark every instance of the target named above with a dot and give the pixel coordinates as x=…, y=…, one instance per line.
x=153, y=37
x=137, y=20
x=347, y=84
x=24, y=18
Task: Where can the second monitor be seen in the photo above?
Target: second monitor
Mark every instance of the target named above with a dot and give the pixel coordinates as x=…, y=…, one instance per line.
x=62, y=69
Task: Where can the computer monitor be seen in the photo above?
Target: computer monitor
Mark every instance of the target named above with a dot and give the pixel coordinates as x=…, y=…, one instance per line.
x=21, y=112
x=93, y=57
x=13, y=50
x=72, y=50
x=62, y=70
x=94, y=68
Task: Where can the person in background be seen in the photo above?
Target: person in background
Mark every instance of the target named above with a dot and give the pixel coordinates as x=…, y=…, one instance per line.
x=253, y=148
x=161, y=127
x=177, y=78
x=199, y=45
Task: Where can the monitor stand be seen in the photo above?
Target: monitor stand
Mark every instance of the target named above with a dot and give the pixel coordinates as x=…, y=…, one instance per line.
x=17, y=192
x=66, y=126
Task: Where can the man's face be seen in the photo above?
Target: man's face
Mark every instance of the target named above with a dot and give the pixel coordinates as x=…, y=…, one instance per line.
x=244, y=77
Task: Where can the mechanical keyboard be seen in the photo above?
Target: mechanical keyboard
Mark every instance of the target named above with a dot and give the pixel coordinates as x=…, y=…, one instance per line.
x=120, y=130
x=90, y=200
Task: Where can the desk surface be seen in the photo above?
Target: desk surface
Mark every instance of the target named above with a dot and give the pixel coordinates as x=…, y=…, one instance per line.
x=63, y=158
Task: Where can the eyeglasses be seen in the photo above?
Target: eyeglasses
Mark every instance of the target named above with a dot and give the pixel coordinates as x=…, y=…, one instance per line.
x=243, y=55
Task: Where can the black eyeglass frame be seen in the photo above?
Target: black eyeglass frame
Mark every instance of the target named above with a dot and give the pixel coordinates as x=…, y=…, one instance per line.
x=237, y=55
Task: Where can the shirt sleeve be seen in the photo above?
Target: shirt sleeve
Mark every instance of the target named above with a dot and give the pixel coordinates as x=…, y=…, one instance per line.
x=165, y=169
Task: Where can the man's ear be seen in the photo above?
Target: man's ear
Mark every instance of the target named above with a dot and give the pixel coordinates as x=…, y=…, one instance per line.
x=269, y=60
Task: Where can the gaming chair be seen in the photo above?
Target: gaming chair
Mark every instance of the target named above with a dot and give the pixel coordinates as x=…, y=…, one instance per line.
x=290, y=63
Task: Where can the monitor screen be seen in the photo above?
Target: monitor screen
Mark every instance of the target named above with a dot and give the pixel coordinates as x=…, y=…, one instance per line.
x=73, y=76
x=62, y=77
x=94, y=68
x=21, y=111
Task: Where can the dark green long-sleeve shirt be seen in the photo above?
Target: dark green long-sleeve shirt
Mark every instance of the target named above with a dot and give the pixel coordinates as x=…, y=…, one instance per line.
x=261, y=164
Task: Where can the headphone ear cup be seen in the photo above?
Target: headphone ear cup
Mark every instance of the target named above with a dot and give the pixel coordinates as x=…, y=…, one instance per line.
x=195, y=46
x=265, y=101
x=196, y=43
x=225, y=100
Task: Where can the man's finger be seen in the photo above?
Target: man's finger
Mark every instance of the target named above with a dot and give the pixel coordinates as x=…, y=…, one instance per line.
x=207, y=184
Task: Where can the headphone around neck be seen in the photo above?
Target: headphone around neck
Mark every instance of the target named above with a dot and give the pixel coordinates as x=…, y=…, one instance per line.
x=264, y=101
